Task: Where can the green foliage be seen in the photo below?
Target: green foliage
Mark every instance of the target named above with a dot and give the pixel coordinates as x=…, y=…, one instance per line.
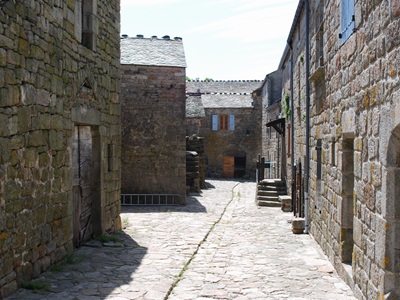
x=36, y=285
x=207, y=79
x=108, y=238
x=286, y=106
x=70, y=258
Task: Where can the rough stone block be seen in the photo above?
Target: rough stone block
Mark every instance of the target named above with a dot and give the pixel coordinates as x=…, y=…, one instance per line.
x=286, y=202
x=298, y=225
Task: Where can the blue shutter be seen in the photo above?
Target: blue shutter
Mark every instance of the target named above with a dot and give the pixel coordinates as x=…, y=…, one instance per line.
x=346, y=21
x=214, y=122
x=232, y=122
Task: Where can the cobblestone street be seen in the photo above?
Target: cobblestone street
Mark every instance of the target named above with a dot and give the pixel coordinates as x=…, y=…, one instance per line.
x=219, y=246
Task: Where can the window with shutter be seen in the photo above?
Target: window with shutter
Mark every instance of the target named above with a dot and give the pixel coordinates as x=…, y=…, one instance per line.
x=232, y=122
x=223, y=122
x=214, y=122
x=347, y=20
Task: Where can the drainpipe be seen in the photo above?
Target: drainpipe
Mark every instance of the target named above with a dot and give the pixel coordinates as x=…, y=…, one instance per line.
x=307, y=162
x=291, y=111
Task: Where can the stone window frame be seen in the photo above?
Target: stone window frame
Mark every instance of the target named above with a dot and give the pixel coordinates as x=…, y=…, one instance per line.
x=86, y=23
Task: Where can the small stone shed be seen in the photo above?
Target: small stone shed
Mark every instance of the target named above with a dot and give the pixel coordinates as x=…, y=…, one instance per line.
x=229, y=118
x=153, y=116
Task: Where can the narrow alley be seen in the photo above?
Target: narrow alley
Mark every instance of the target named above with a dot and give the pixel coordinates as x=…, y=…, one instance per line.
x=219, y=246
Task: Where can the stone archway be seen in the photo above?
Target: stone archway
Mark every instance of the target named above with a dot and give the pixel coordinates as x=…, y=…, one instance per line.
x=392, y=244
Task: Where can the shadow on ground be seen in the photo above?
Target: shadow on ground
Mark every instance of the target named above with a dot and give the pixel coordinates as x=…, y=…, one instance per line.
x=93, y=271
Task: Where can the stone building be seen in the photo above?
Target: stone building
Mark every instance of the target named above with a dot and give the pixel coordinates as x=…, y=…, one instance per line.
x=274, y=128
x=60, y=132
x=153, y=116
x=350, y=75
x=229, y=119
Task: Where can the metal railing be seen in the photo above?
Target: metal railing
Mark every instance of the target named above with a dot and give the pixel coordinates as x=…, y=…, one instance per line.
x=149, y=199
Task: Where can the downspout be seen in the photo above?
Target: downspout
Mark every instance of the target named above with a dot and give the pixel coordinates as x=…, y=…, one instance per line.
x=307, y=162
x=291, y=112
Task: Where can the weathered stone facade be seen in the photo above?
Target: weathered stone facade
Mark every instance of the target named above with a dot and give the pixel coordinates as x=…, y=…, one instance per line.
x=354, y=138
x=273, y=140
x=153, y=117
x=229, y=118
x=59, y=76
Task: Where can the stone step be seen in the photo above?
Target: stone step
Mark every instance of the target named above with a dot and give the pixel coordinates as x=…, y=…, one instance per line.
x=268, y=198
x=271, y=193
x=268, y=203
x=272, y=182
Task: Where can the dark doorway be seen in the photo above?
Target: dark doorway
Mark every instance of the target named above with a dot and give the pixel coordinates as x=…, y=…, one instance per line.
x=240, y=167
x=85, y=178
x=234, y=167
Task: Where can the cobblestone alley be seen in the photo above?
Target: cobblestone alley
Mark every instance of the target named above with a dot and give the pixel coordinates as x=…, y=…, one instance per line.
x=219, y=246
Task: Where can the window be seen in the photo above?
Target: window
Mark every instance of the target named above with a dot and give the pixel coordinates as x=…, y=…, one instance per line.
x=223, y=122
x=347, y=20
x=89, y=24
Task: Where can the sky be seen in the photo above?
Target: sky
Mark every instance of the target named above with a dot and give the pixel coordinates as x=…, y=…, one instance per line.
x=222, y=39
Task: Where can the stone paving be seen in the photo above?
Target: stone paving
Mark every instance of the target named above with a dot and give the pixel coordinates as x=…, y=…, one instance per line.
x=220, y=246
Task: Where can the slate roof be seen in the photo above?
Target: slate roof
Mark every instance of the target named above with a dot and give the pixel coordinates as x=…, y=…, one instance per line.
x=153, y=52
x=227, y=100
x=223, y=86
x=194, y=107
x=196, y=104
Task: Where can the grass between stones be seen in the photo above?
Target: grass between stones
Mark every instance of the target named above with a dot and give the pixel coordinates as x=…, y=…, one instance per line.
x=186, y=266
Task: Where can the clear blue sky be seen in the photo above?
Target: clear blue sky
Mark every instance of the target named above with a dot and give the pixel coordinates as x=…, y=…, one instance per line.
x=223, y=39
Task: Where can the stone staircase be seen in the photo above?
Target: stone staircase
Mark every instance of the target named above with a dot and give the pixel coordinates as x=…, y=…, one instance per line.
x=268, y=192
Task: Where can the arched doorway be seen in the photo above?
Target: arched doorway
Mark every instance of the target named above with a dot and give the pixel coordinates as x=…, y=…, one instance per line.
x=392, y=246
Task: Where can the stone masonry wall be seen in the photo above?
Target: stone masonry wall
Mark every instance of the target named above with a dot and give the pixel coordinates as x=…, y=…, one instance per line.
x=355, y=204
x=244, y=140
x=298, y=44
x=153, y=130
x=43, y=68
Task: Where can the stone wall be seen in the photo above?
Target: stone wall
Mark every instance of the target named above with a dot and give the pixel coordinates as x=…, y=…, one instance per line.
x=353, y=211
x=196, y=143
x=245, y=140
x=153, y=130
x=50, y=82
x=227, y=98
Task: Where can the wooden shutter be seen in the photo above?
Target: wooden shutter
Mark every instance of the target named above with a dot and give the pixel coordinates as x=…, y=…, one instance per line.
x=232, y=122
x=347, y=19
x=214, y=122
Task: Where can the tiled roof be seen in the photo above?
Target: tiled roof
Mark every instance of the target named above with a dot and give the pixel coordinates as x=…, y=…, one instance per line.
x=226, y=86
x=153, y=52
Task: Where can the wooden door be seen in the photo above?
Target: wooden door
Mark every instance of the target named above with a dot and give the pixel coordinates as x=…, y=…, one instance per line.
x=82, y=184
x=228, y=169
